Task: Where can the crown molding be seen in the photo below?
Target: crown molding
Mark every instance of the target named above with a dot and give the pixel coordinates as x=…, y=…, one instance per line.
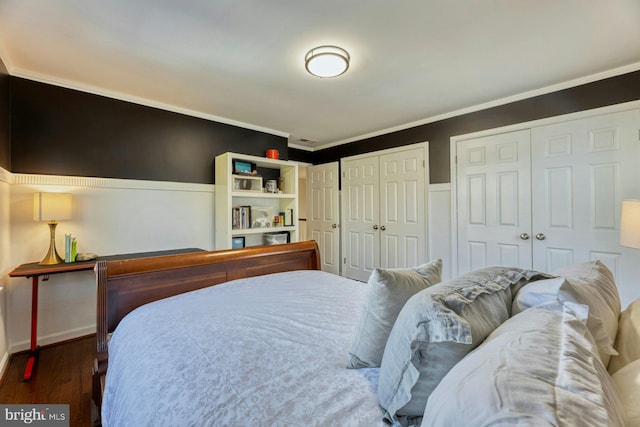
x=6, y=60
x=502, y=101
x=17, y=72
x=25, y=74
x=300, y=147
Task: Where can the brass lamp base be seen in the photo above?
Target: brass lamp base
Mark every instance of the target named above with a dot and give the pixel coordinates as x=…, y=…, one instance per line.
x=52, y=256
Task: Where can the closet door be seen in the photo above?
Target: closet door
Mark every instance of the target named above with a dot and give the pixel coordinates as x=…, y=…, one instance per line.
x=384, y=211
x=494, y=201
x=402, y=209
x=582, y=169
x=361, y=217
x=323, y=213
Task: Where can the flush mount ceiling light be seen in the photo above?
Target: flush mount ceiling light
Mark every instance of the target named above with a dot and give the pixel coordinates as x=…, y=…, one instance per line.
x=327, y=61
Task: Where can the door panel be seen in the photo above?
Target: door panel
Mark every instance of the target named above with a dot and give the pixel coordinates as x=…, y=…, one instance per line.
x=323, y=213
x=362, y=242
x=477, y=255
x=587, y=166
x=559, y=197
x=493, y=198
x=402, y=222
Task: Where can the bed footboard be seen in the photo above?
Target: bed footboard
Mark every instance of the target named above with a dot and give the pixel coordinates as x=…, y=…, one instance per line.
x=127, y=284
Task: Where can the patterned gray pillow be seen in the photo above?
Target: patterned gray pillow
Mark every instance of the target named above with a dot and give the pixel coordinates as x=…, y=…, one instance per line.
x=388, y=291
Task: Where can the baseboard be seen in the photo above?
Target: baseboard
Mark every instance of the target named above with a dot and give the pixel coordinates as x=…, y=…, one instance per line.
x=54, y=338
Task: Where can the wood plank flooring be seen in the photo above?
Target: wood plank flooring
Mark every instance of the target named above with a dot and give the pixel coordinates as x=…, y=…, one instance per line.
x=62, y=375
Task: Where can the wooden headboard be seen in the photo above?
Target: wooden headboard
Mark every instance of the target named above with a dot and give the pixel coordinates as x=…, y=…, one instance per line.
x=127, y=284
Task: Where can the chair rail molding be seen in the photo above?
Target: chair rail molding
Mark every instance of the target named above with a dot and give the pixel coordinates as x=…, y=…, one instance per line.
x=91, y=182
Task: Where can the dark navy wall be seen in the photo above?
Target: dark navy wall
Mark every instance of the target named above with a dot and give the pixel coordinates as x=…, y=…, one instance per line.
x=46, y=129
x=300, y=155
x=5, y=119
x=58, y=131
x=605, y=92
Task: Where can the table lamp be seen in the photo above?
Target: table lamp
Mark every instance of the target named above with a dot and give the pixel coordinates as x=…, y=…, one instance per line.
x=51, y=207
x=630, y=224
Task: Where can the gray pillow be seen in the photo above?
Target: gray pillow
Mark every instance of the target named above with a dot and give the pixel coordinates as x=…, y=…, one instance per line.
x=436, y=328
x=539, y=368
x=387, y=292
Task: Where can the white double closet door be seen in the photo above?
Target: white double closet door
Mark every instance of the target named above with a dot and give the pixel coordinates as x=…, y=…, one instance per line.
x=548, y=196
x=384, y=210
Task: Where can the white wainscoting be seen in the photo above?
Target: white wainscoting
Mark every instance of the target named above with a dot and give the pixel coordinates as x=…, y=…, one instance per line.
x=5, y=266
x=110, y=216
x=4, y=348
x=118, y=216
x=439, y=232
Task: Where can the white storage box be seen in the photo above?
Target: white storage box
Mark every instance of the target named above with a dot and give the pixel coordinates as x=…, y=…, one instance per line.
x=276, y=238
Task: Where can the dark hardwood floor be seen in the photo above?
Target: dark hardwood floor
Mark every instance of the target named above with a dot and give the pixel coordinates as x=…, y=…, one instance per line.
x=62, y=375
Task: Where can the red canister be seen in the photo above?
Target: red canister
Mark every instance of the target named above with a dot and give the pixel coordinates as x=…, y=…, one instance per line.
x=273, y=154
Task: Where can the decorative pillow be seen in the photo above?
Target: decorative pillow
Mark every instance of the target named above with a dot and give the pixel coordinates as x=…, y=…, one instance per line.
x=627, y=379
x=628, y=337
x=592, y=283
x=560, y=290
x=436, y=328
x=388, y=291
x=539, y=368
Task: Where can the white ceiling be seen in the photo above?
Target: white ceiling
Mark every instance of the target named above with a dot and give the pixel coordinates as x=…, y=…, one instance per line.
x=242, y=61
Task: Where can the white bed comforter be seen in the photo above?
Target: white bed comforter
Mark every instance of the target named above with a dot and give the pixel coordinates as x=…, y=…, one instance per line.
x=264, y=351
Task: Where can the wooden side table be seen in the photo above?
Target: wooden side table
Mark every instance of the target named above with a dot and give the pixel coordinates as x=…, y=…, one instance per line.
x=34, y=271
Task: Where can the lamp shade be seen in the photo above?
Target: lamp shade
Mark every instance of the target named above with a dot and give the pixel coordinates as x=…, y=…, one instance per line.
x=630, y=224
x=51, y=206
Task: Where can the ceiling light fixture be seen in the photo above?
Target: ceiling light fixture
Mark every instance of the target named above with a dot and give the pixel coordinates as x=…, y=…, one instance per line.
x=327, y=61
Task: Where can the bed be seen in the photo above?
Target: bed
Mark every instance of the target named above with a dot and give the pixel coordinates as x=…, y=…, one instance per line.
x=260, y=336
x=124, y=285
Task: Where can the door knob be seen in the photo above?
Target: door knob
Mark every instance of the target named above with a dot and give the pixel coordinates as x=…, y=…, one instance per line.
x=524, y=236
x=334, y=225
x=383, y=228
x=540, y=236
x=375, y=227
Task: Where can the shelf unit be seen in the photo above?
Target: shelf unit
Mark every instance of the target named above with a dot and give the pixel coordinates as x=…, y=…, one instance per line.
x=226, y=198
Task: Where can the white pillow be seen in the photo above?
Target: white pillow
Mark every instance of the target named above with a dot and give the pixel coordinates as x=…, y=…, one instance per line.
x=538, y=368
x=436, y=328
x=592, y=283
x=387, y=292
x=559, y=289
x=627, y=381
x=537, y=293
x=628, y=337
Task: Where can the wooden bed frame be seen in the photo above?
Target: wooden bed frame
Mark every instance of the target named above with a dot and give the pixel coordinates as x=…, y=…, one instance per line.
x=127, y=284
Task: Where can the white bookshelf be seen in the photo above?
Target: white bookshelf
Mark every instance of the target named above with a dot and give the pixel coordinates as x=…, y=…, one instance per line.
x=230, y=194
